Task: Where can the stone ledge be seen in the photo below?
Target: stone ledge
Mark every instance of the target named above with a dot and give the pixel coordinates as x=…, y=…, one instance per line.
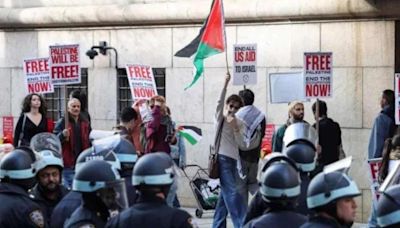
x=192, y=11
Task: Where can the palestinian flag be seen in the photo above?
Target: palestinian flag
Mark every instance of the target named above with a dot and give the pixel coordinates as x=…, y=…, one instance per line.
x=191, y=133
x=209, y=41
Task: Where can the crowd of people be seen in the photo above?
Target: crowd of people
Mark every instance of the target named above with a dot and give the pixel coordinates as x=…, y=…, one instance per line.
x=61, y=178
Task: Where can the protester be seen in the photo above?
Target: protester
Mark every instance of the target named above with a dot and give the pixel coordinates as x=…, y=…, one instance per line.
x=31, y=121
x=48, y=191
x=329, y=137
x=136, y=130
x=153, y=183
x=103, y=193
x=280, y=187
x=178, y=155
x=81, y=96
x=254, y=121
x=390, y=156
x=128, y=122
x=160, y=132
x=74, y=139
x=331, y=196
x=388, y=208
x=232, y=195
x=17, y=175
x=384, y=127
x=296, y=114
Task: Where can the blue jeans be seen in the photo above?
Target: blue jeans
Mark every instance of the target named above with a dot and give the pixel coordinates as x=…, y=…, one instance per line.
x=68, y=176
x=372, y=222
x=232, y=195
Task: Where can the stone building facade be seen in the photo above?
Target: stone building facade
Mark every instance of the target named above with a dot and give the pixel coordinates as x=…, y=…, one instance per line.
x=362, y=34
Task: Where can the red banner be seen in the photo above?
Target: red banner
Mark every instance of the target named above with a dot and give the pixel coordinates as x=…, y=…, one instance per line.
x=8, y=128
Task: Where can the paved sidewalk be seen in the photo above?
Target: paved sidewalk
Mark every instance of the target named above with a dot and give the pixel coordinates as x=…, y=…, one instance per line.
x=206, y=220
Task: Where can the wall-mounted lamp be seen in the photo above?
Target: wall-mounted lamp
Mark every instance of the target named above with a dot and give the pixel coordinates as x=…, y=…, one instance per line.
x=92, y=53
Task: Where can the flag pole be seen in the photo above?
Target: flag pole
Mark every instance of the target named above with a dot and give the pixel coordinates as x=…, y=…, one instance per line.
x=226, y=43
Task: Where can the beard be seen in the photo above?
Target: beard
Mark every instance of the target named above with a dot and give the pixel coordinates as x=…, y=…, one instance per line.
x=51, y=187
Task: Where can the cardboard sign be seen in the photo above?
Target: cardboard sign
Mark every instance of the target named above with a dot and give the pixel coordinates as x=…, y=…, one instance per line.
x=266, y=143
x=141, y=81
x=37, y=76
x=318, y=74
x=397, y=98
x=245, y=64
x=286, y=87
x=374, y=165
x=65, y=64
x=8, y=126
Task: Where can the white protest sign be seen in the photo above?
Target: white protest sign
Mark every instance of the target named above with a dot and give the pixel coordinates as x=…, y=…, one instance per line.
x=37, y=76
x=65, y=64
x=286, y=87
x=374, y=166
x=397, y=98
x=141, y=81
x=245, y=64
x=318, y=74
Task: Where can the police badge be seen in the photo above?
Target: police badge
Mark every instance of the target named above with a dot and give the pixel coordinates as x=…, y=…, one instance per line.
x=37, y=218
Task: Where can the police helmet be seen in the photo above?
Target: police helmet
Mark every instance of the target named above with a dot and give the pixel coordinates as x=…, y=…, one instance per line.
x=18, y=167
x=93, y=153
x=155, y=169
x=303, y=154
x=388, y=209
x=122, y=147
x=49, y=158
x=280, y=180
x=327, y=188
x=300, y=132
x=18, y=164
x=46, y=141
x=102, y=179
x=274, y=157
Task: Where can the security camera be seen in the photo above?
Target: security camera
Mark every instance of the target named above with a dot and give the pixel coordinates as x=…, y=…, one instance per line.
x=92, y=53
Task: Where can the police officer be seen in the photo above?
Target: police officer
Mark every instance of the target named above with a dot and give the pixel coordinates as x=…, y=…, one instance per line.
x=103, y=193
x=17, y=175
x=152, y=175
x=388, y=209
x=73, y=199
x=280, y=187
x=331, y=195
x=126, y=154
x=48, y=191
x=299, y=140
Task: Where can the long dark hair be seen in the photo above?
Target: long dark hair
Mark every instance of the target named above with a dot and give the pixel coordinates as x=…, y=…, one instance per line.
x=390, y=143
x=26, y=104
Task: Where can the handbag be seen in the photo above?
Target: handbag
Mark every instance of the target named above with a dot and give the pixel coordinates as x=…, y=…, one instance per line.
x=21, y=135
x=213, y=168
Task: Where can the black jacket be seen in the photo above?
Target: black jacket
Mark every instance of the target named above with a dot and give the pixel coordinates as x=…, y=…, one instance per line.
x=18, y=209
x=281, y=219
x=151, y=211
x=65, y=208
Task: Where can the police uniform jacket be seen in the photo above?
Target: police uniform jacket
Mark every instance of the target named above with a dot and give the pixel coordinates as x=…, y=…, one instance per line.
x=65, y=208
x=322, y=222
x=18, y=209
x=83, y=217
x=47, y=205
x=151, y=211
x=281, y=219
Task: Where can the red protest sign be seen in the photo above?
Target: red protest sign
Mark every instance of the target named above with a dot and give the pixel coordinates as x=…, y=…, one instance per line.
x=266, y=143
x=8, y=126
x=37, y=76
x=141, y=81
x=374, y=166
x=318, y=74
x=65, y=64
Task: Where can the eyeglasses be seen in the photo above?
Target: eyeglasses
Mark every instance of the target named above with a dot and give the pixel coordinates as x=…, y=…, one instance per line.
x=231, y=106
